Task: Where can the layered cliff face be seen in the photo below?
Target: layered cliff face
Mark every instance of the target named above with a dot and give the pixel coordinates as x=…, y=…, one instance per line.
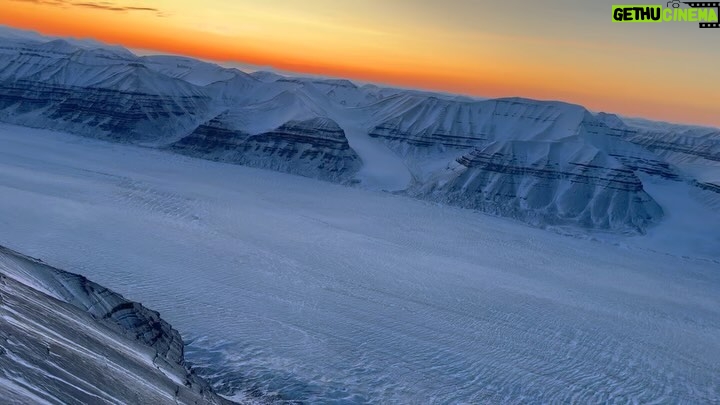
x=447, y=123
x=144, y=324
x=462, y=124
x=616, y=142
x=381, y=138
x=546, y=163
x=65, y=339
x=547, y=183
x=95, y=92
x=314, y=148
x=684, y=147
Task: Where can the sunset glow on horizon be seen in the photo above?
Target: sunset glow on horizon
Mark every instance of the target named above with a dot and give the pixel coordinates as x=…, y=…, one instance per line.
x=556, y=49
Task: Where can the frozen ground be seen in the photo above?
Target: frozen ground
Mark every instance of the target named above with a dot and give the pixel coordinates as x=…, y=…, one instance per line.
x=297, y=289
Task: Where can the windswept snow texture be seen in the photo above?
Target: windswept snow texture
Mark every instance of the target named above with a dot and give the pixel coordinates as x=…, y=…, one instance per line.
x=143, y=324
x=294, y=289
x=66, y=340
x=375, y=138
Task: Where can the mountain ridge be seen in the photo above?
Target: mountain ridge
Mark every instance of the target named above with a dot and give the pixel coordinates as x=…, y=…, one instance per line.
x=212, y=112
x=67, y=339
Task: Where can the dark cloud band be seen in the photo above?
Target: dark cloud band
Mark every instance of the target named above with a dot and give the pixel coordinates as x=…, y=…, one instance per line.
x=102, y=5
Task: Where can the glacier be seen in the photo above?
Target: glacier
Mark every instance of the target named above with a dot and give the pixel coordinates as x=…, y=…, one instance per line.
x=316, y=240
x=292, y=289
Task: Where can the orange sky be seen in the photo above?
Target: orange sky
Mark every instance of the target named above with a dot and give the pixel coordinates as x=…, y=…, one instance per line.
x=566, y=49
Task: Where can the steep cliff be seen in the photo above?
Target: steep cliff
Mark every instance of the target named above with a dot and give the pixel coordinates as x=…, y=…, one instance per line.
x=547, y=183
x=314, y=148
x=65, y=339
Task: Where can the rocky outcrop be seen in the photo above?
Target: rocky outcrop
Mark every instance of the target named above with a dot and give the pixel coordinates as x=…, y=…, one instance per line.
x=707, y=192
x=615, y=142
x=297, y=125
x=707, y=186
x=95, y=93
x=429, y=121
x=314, y=148
x=96, y=345
x=426, y=122
x=434, y=122
x=547, y=183
x=100, y=302
x=687, y=146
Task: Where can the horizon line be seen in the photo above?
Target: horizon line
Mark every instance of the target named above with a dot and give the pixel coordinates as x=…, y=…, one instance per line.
x=249, y=68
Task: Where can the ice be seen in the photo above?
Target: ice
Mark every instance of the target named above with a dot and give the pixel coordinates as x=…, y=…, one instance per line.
x=296, y=289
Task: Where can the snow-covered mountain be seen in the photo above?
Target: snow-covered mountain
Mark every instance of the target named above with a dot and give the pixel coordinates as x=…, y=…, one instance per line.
x=65, y=339
x=314, y=148
x=103, y=93
x=542, y=162
x=547, y=183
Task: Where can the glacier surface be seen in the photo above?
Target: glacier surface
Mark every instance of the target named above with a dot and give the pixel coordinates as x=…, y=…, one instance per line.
x=294, y=289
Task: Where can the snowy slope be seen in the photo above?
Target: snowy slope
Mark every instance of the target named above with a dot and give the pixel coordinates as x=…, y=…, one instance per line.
x=294, y=289
x=315, y=147
x=531, y=163
x=548, y=184
x=393, y=139
x=95, y=92
x=190, y=70
x=431, y=121
x=64, y=339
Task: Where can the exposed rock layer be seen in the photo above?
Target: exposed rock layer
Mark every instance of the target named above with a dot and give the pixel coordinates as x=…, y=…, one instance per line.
x=547, y=183
x=338, y=131
x=65, y=339
x=314, y=148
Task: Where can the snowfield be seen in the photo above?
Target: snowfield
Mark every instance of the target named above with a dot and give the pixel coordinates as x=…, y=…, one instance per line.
x=295, y=289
